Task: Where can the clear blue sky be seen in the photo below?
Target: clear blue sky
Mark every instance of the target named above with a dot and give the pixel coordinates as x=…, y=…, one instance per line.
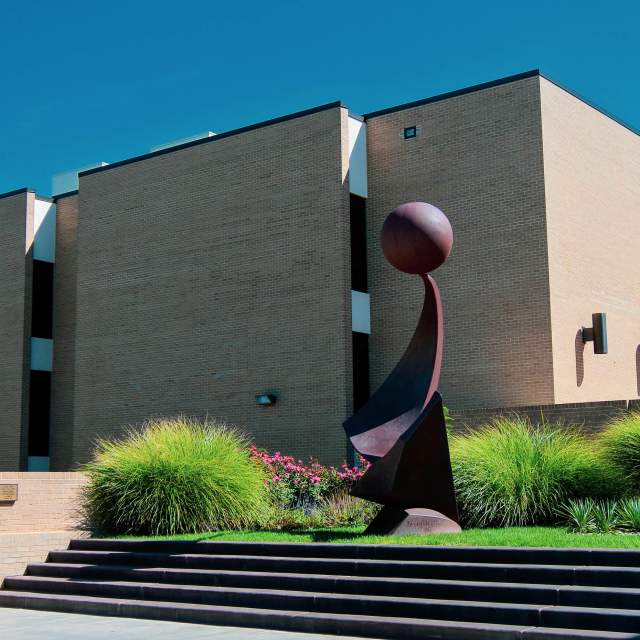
x=105, y=79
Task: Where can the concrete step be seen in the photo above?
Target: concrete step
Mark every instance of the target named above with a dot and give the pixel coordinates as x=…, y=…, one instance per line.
x=301, y=621
x=542, y=594
x=377, y=591
x=628, y=577
x=392, y=606
x=502, y=555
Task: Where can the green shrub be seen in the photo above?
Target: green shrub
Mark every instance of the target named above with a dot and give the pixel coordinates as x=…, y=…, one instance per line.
x=174, y=476
x=510, y=473
x=343, y=510
x=629, y=514
x=620, y=442
x=294, y=519
x=579, y=515
x=448, y=420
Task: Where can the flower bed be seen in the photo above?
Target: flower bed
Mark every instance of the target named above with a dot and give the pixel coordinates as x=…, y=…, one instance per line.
x=179, y=475
x=295, y=484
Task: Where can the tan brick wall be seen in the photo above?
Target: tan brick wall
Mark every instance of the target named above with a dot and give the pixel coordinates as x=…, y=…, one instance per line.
x=17, y=550
x=64, y=314
x=16, y=224
x=592, y=172
x=479, y=158
x=46, y=502
x=213, y=273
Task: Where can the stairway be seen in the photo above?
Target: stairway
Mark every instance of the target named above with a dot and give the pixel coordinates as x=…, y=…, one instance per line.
x=376, y=591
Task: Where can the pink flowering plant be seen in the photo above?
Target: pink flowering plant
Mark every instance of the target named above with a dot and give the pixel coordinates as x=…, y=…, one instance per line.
x=296, y=484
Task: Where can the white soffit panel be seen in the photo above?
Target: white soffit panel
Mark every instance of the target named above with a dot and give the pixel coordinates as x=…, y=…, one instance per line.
x=357, y=157
x=44, y=231
x=360, y=312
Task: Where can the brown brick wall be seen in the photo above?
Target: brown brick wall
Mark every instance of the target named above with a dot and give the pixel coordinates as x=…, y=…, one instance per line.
x=213, y=273
x=591, y=416
x=16, y=224
x=46, y=502
x=64, y=314
x=592, y=173
x=479, y=158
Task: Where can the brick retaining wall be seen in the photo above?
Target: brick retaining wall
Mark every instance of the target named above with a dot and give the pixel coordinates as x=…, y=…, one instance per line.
x=592, y=416
x=46, y=502
x=17, y=550
x=44, y=517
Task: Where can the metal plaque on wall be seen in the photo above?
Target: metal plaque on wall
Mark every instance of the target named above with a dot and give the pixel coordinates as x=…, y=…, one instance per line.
x=8, y=492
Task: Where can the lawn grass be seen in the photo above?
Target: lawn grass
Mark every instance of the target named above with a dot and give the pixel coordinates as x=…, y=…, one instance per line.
x=508, y=537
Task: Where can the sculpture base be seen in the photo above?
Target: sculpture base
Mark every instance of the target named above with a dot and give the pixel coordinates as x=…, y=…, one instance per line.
x=416, y=471
x=396, y=521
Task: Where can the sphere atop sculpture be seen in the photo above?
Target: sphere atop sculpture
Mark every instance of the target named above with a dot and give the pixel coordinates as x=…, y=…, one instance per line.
x=416, y=237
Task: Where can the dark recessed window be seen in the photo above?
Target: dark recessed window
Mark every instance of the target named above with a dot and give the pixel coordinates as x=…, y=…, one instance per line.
x=410, y=132
x=360, y=346
x=42, y=302
x=39, y=413
x=358, y=224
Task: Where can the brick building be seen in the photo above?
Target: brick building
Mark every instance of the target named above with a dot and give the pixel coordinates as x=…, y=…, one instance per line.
x=194, y=278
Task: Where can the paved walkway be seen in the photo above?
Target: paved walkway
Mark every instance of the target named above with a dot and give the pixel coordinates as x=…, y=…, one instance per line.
x=23, y=624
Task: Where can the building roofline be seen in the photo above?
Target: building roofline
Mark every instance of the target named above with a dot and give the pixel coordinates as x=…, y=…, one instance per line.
x=15, y=192
x=214, y=138
x=604, y=112
x=452, y=94
x=66, y=194
x=496, y=83
x=299, y=114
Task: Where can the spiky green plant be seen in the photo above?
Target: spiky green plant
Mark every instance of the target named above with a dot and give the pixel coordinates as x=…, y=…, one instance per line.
x=605, y=516
x=510, y=473
x=174, y=476
x=629, y=514
x=579, y=515
x=620, y=442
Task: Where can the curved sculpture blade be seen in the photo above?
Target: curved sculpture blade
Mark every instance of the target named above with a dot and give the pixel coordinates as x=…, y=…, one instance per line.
x=400, y=400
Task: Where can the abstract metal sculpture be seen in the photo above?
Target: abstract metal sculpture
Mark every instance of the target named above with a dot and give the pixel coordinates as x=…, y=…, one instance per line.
x=401, y=429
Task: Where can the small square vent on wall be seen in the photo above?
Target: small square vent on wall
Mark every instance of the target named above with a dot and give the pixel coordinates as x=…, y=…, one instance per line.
x=408, y=133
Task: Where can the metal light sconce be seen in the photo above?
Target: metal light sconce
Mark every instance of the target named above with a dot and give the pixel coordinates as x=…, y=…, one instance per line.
x=265, y=399
x=597, y=333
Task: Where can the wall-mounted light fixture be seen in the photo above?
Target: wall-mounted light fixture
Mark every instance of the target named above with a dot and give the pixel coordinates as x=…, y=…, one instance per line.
x=597, y=333
x=265, y=399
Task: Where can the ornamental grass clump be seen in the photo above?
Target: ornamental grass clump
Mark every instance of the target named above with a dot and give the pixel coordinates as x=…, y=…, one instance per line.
x=620, y=442
x=511, y=473
x=174, y=476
